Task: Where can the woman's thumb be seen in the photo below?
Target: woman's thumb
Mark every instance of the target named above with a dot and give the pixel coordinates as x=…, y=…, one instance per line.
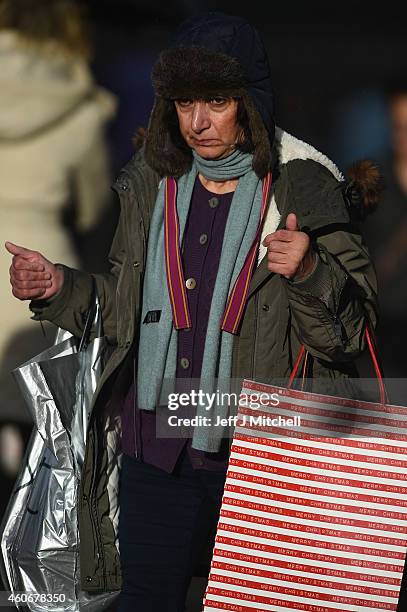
x=291, y=222
x=14, y=249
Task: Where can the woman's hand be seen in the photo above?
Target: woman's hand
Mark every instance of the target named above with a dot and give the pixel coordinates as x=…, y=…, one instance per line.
x=33, y=277
x=289, y=251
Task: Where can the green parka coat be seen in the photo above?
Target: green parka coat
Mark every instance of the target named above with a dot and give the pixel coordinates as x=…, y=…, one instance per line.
x=327, y=312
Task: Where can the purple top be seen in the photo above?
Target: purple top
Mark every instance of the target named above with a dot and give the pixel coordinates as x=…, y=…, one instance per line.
x=202, y=248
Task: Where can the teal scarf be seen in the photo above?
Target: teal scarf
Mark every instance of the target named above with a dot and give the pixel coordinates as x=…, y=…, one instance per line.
x=158, y=341
x=237, y=164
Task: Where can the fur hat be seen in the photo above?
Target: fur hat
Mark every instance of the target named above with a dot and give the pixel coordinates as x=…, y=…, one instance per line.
x=213, y=55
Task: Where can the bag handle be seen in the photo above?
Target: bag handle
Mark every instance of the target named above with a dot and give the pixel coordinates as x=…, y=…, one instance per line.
x=93, y=319
x=304, y=354
x=370, y=339
x=297, y=364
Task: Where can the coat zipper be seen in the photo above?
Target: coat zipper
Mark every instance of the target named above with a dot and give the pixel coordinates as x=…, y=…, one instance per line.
x=334, y=317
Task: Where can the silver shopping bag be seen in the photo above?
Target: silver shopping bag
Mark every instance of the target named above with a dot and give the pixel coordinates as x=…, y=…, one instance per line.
x=39, y=535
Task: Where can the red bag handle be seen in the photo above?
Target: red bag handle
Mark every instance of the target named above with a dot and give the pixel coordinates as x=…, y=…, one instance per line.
x=373, y=353
x=379, y=374
x=296, y=367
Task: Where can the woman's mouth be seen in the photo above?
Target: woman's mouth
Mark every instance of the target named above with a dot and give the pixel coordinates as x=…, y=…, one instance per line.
x=205, y=142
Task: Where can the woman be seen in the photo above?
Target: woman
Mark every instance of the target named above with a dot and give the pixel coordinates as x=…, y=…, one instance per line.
x=211, y=277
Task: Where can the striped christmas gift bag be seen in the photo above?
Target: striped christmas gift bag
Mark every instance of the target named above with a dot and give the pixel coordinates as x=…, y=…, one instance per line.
x=314, y=511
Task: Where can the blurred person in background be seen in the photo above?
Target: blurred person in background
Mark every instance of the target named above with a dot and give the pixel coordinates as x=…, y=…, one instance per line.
x=386, y=236
x=53, y=159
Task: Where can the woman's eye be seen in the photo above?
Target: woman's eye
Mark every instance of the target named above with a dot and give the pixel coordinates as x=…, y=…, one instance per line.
x=184, y=102
x=218, y=101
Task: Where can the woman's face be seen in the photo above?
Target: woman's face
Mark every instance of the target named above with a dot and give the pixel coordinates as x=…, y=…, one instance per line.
x=209, y=127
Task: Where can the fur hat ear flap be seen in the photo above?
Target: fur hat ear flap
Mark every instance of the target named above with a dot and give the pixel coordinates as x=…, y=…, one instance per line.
x=260, y=137
x=165, y=150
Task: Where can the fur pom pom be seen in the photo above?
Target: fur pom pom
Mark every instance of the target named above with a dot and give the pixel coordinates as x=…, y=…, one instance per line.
x=365, y=186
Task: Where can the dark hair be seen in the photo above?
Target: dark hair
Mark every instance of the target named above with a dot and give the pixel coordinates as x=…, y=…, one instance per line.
x=246, y=145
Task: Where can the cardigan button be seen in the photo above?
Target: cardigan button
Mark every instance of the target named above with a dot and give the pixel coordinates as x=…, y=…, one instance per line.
x=266, y=307
x=136, y=264
x=184, y=363
x=213, y=202
x=203, y=238
x=88, y=578
x=190, y=283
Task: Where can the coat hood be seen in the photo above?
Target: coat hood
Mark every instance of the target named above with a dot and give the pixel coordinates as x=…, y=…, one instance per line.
x=38, y=89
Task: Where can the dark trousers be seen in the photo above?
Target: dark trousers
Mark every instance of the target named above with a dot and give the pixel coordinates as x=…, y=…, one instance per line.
x=167, y=522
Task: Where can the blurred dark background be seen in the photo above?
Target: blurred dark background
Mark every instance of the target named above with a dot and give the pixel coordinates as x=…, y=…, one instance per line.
x=333, y=66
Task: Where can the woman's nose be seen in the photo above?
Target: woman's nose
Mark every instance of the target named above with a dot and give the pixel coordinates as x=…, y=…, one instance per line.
x=200, y=117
